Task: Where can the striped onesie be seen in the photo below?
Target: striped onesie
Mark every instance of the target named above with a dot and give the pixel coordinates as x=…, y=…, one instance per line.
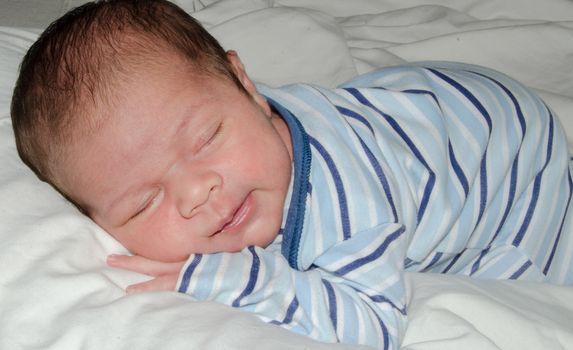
x=436, y=167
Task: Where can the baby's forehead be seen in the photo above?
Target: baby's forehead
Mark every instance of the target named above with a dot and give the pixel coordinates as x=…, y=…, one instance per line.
x=138, y=82
x=127, y=75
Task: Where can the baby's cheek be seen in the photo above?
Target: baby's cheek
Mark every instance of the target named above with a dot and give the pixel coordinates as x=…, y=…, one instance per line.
x=153, y=237
x=160, y=239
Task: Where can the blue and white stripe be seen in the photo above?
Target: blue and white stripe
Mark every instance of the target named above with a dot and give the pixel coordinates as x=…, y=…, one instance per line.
x=437, y=167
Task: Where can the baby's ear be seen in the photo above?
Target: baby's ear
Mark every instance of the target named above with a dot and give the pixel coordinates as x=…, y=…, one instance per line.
x=247, y=83
x=239, y=69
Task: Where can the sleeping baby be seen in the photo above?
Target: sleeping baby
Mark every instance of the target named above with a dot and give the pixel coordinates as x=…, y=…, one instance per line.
x=301, y=204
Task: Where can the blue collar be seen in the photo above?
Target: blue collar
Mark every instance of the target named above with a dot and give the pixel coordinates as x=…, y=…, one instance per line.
x=292, y=232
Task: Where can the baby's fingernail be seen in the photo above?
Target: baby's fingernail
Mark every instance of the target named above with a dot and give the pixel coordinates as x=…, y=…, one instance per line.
x=112, y=258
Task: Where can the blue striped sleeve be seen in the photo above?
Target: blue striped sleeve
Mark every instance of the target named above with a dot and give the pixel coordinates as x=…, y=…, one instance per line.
x=324, y=302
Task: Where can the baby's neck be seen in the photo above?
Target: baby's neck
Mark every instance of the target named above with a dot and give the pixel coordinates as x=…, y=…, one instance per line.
x=283, y=130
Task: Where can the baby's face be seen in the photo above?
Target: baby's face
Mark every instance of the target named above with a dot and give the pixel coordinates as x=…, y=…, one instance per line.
x=184, y=165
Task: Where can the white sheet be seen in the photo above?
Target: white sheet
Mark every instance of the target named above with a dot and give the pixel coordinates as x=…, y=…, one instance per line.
x=57, y=293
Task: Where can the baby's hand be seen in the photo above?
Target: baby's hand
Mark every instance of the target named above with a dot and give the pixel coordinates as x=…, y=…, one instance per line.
x=165, y=274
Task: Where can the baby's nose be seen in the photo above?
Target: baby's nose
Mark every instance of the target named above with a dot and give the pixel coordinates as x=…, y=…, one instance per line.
x=193, y=189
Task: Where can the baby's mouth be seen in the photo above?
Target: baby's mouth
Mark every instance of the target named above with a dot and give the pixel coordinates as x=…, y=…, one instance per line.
x=238, y=216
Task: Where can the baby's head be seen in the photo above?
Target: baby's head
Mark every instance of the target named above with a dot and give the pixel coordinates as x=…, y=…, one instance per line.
x=138, y=116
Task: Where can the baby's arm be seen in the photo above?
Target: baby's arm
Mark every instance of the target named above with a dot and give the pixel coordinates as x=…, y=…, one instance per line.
x=348, y=296
x=362, y=301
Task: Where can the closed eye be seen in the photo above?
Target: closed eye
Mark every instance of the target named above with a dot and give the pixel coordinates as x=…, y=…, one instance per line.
x=148, y=203
x=216, y=133
x=139, y=212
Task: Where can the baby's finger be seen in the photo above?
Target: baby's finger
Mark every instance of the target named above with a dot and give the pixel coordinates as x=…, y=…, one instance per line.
x=163, y=283
x=143, y=265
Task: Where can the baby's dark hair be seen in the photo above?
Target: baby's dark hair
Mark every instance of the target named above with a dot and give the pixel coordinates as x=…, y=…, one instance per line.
x=73, y=66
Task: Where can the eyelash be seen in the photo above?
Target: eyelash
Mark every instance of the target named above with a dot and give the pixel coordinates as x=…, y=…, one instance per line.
x=214, y=135
x=146, y=206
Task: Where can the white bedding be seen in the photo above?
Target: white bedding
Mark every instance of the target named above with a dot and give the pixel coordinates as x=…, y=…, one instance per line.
x=57, y=293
